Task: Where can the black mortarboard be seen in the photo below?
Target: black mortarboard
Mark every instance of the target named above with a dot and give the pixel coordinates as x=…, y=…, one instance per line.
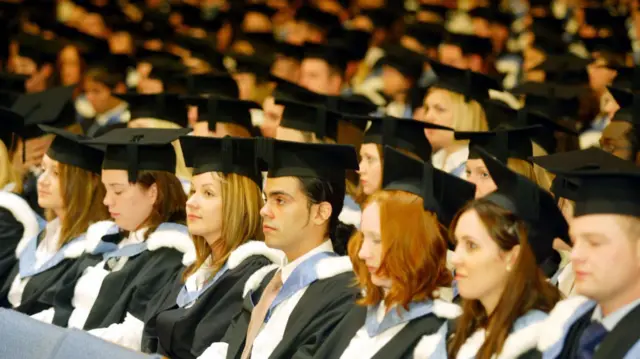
x=601, y=18
x=335, y=56
x=473, y=85
x=403, y=133
x=317, y=18
x=85, y=42
x=381, y=18
x=69, y=148
x=530, y=203
x=566, y=69
x=470, y=44
x=314, y=160
x=292, y=51
x=202, y=49
x=581, y=160
x=171, y=74
x=287, y=90
x=429, y=35
x=605, y=189
x=306, y=117
x=259, y=41
x=13, y=82
x=53, y=107
x=259, y=65
x=39, y=50
x=442, y=193
x=12, y=123
x=215, y=109
x=554, y=100
x=629, y=103
x=163, y=106
x=502, y=142
x=115, y=64
x=356, y=43
x=613, y=44
x=226, y=155
x=407, y=62
x=220, y=85
x=139, y=149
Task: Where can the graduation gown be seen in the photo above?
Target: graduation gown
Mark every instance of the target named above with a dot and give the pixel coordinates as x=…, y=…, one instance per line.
x=568, y=320
x=401, y=345
x=521, y=340
x=18, y=224
x=185, y=332
x=322, y=306
x=39, y=284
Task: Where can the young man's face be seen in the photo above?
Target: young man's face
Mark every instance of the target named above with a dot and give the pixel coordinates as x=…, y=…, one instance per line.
x=605, y=256
x=316, y=75
x=98, y=94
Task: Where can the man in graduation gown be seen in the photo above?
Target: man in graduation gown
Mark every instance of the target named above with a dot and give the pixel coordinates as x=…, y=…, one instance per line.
x=289, y=311
x=606, y=260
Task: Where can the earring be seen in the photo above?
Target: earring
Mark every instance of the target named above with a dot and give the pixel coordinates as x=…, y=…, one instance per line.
x=509, y=268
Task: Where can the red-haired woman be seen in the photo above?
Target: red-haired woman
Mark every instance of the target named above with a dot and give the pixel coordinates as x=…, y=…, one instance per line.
x=505, y=294
x=399, y=257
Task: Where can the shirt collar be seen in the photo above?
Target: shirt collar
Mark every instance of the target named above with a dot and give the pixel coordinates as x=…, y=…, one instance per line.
x=326, y=246
x=448, y=163
x=611, y=320
x=103, y=118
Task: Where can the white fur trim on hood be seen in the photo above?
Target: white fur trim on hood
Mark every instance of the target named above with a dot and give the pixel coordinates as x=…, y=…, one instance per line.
x=521, y=341
x=75, y=249
x=446, y=310
x=173, y=238
x=96, y=231
x=256, y=278
x=255, y=248
x=333, y=266
x=23, y=213
x=553, y=326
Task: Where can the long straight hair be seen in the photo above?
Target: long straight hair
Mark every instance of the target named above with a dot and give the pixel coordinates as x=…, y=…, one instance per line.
x=241, y=221
x=82, y=195
x=7, y=173
x=527, y=286
x=171, y=200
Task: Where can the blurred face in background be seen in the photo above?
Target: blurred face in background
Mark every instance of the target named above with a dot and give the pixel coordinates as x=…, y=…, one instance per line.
x=70, y=66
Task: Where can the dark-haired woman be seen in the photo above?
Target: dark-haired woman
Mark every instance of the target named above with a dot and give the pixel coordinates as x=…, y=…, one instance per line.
x=505, y=294
x=128, y=261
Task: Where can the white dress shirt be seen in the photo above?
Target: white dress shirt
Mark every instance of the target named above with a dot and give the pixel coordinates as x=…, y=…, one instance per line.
x=611, y=320
x=452, y=161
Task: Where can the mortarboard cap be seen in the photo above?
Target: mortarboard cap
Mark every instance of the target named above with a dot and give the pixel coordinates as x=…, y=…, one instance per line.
x=39, y=50
x=629, y=103
x=215, y=109
x=259, y=65
x=470, y=44
x=288, y=50
x=214, y=84
x=429, y=35
x=530, y=203
x=335, y=56
x=12, y=123
x=566, y=69
x=53, y=107
x=554, y=100
x=381, y=18
x=69, y=148
x=502, y=143
x=403, y=133
x=473, y=85
x=612, y=44
x=226, y=155
x=442, y=193
x=407, y=62
x=13, y=82
x=139, y=149
x=314, y=160
x=163, y=106
x=356, y=43
x=306, y=117
x=317, y=18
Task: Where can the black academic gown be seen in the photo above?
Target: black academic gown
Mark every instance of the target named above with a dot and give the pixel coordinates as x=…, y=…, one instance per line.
x=181, y=333
x=30, y=192
x=400, y=346
x=10, y=234
x=321, y=308
x=39, y=285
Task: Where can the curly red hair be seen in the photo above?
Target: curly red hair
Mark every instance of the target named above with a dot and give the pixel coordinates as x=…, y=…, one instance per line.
x=414, y=252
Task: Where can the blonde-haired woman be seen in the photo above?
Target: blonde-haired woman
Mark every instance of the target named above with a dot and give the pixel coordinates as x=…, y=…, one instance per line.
x=17, y=220
x=454, y=101
x=223, y=216
x=70, y=191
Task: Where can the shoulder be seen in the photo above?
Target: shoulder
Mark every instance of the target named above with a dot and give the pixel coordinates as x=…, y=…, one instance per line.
x=564, y=313
x=173, y=236
x=21, y=211
x=333, y=266
x=524, y=335
x=253, y=283
x=96, y=231
x=253, y=249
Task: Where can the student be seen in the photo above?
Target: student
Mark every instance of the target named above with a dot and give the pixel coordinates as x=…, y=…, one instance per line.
x=129, y=262
x=605, y=260
x=405, y=135
x=308, y=296
x=455, y=101
x=224, y=222
x=500, y=268
x=102, y=84
x=322, y=69
x=401, y=70
x=18, y=222
x=398, y=243
x=511, y=146
x=220, y=117
x=621, y=137
x=69, y=190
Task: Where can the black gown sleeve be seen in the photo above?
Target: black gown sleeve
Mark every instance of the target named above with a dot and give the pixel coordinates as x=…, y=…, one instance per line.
x=10, y=234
